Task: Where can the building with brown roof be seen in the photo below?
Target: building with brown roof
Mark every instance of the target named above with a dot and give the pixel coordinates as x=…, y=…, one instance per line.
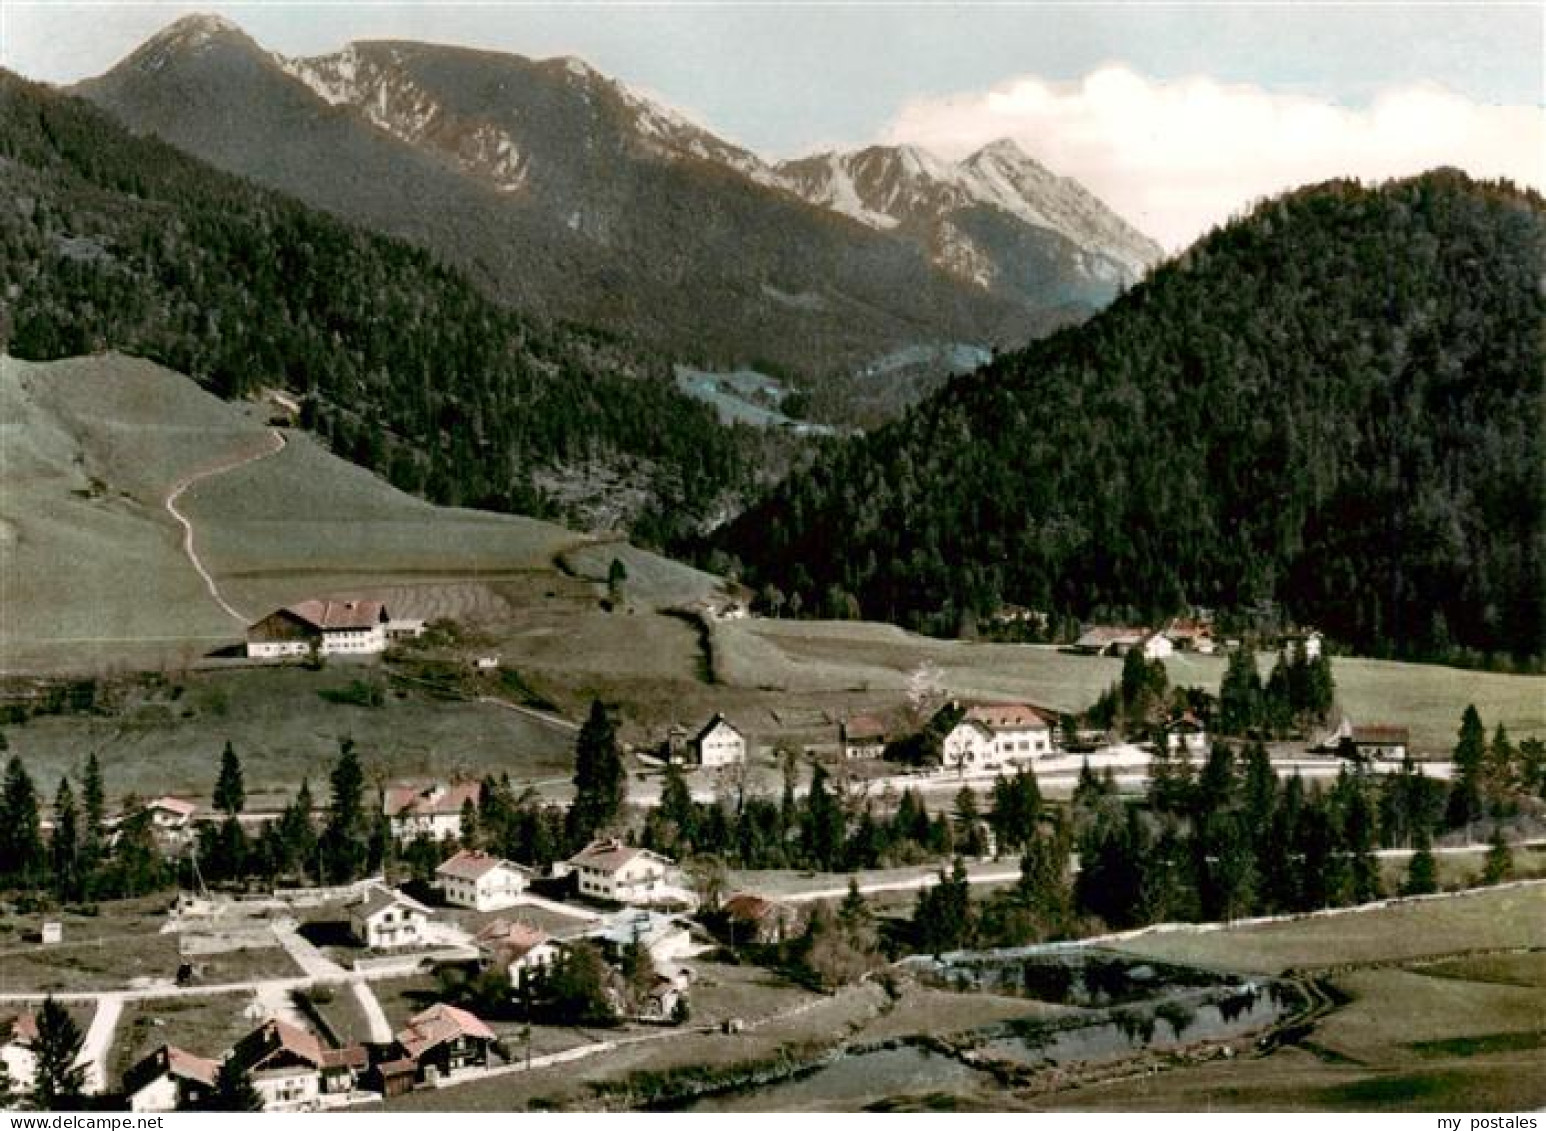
x=284, y=1063
x=989, y=736
x=18, y=1031
x=433, y=810
x=443, y=1041
x=719, y=743
x=750, y=918
x=169, y=1079
x=330, y=628
x=623, y=873
x=482, y=881
x=862, y=736
x=516, y=948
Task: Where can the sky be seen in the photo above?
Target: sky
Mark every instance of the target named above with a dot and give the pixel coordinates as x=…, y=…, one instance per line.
x=1177, y=115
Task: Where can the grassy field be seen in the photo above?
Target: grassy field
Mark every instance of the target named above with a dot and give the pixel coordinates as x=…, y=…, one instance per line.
x=872, y=663
x=1430, y=1034
x=1495, y=920
x=92, y=565
x=169, y=739
x=205, y=1026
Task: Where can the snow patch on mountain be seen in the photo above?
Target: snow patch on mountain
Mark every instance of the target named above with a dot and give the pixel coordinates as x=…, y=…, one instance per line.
x=886, y=187
x=393, y=102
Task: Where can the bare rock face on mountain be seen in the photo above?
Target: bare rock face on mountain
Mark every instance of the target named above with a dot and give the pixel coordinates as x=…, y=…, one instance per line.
x=997, y=220
x=565, y=194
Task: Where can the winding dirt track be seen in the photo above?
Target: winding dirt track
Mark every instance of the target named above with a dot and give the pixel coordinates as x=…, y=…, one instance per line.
x=197, y=477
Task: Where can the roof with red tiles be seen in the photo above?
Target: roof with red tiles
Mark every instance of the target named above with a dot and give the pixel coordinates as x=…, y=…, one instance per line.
x=438, y=1024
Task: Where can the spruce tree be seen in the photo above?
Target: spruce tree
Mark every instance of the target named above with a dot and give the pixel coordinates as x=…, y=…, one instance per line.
x=1422, y=871
x=21, y=838
x=65, y=843
x=345, y=839
x=600, y=778
x=230, y=791
x=1499, y=865
x=59, y=1084
x=1465, y=795
x=93, y=813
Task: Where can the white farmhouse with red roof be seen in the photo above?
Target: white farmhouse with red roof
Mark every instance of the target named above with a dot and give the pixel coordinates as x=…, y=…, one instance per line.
x=433, y=810
x=482, y=881
x=331, y=628
x=989, y=736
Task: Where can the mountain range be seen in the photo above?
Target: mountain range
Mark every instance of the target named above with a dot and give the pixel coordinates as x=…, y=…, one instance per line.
x=567, y=195
x=1332, y=404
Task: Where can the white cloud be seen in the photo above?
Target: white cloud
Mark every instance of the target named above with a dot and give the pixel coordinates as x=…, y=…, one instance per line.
x=1176, y=157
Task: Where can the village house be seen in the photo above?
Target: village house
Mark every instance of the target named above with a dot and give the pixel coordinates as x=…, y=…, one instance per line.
x=1310, y=639
x=17, y=1033
x=1375, y=742
x=329, y=628
x=388, y=920
x=862, y=736
x=443, y=1041
x=518, y=949
x=1191, y=635
x=662, y=1000
x=284, y=1063
x=171, y=822
x=989, y=736
x=482, y=881
x=1108, y=640
x=718, y=744
x=750, y=918
x=664, y=937
x=433, y=810
x=1156, y=646
x=1186, y=734
x=622, y=873
x=169, y=1079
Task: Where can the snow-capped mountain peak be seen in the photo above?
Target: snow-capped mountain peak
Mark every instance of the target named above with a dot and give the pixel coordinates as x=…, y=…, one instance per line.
x=908, y=187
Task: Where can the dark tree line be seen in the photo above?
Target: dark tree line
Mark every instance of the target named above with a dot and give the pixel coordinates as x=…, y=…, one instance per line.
x=123, y=242
x=1332, y=403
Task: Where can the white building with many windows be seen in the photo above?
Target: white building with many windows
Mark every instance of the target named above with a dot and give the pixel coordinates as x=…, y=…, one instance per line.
x=388, y=920
x=482, y=881
x=990, y=736
x=623, y=873
x=719, y=744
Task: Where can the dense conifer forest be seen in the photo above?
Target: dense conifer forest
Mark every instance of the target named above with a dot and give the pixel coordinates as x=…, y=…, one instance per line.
x=1334, y=403
x=110, y=241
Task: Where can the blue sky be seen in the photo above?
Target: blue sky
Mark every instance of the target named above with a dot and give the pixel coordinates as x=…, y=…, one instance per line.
x=789, y=79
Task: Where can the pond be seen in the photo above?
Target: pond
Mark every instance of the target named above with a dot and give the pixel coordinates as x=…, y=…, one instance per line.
x=1125, y=1006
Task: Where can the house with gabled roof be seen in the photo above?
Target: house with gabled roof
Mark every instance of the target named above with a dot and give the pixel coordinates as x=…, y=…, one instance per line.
x=482, y=881
x=1108, y=640
x=989, y=736
x=718, y=743
x=751, y=918
x=284, y=1063
x=327, y=627
x=443, y=1041
x=609, y=869
x=431, y=809
x=516, y=948
x=384, y=919
x=169, y=1079
x=1186, y=734
x=862, y=736
x=18, y=1032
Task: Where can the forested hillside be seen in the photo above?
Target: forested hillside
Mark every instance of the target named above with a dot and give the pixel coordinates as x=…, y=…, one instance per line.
x=112, y=241
x=1335, y=403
